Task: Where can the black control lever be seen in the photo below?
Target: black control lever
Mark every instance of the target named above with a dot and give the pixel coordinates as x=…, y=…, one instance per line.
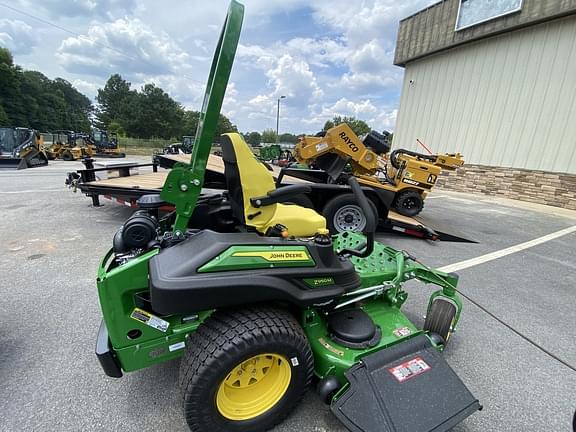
x=370, y=228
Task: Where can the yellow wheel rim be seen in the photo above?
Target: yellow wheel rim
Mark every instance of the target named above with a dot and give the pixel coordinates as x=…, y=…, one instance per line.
x=253, y=387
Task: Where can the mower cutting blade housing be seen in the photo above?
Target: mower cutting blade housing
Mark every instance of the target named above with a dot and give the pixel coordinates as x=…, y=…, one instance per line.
x=405, y=388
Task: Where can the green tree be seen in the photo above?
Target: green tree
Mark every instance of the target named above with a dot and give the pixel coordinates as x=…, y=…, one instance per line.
x=155, y=114
x=115, y=102
x=4, y=120
x=78, y=106
x=30, y=99
x=10, y=92
x=6, y=57
x=268, y=136
x=116, y=127
x=254, y=138
x=224, y=126
x=359, y=127
x=288, y=138
x=191, y=119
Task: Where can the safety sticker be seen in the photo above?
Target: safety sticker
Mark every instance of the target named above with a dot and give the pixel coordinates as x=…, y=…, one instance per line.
x=409, y=369
x=149, y=319
x=321, y=146
x=176, y=346
x=402, y=331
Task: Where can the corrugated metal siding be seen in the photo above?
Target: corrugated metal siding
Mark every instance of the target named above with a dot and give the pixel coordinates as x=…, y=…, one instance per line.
x=432, y=29
x=507, y=101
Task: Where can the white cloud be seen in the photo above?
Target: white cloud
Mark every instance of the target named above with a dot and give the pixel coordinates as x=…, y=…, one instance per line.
x=294, y=79
x=342, y=63
x=230, y=104
x=126, y=45
x=369, y=39
x=17, y=36
x=89, y=88
x=377, y=117
x=90, y=8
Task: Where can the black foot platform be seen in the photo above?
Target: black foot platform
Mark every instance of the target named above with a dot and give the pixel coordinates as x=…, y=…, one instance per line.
x=406, y=388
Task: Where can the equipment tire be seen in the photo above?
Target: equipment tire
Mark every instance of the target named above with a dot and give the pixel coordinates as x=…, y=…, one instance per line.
x=342, y=206
x=234, y=341
x=440, y=318
x=67, y=156
x=408, y=203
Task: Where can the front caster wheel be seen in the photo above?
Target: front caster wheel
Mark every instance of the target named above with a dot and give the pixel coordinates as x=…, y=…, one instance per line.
x=244, y=370
x=440, y=319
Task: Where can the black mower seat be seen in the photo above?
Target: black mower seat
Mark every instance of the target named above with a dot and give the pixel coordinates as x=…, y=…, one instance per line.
x=179, y=285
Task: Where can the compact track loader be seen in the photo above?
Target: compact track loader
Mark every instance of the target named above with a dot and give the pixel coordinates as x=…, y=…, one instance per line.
x=259, y=314
x=21, y=148
x=408, y=175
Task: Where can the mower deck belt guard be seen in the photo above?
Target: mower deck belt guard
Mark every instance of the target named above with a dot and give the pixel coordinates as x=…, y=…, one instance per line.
x=406, y=388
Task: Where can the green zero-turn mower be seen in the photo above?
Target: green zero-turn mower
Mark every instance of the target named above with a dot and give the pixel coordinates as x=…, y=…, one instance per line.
x=259, y=314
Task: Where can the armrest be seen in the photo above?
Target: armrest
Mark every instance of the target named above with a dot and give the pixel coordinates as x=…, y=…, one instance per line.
x=280, y=195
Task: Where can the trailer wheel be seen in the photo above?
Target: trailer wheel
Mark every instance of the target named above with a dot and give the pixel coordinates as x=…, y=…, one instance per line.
x=409, y=203
x=440, y=319
x=244, y=370
x=67, y=156
x=343, y=213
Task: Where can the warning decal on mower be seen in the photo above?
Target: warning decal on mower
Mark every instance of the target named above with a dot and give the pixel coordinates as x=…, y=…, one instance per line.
x=402, y=332
x=149, y=319
x=409, y=369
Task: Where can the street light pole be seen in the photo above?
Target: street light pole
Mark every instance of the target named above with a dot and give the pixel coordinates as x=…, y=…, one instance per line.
x=278, y=119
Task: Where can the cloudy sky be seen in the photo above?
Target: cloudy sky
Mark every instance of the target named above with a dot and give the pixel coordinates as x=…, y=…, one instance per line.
x=327, y=57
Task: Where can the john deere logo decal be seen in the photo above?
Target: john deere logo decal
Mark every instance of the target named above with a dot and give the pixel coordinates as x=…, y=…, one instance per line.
x=278, y=255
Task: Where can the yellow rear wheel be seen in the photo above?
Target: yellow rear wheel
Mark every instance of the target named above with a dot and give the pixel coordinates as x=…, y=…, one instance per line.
x=253, y=387
x=244, y=370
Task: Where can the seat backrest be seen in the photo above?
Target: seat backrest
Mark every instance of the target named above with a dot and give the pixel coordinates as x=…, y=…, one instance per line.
x=246, y=178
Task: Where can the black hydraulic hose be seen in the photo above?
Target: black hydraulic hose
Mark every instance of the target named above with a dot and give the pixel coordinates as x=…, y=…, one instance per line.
x=395, y=153
x=370, y=228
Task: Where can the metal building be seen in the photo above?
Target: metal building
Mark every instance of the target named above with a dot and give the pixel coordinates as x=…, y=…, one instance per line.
x=495, y=80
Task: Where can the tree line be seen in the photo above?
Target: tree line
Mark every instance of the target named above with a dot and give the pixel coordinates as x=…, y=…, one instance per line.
x=30, y=99
x=147, y=113
x=359, y=127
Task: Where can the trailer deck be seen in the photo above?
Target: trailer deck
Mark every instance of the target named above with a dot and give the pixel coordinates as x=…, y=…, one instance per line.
x=126, y=188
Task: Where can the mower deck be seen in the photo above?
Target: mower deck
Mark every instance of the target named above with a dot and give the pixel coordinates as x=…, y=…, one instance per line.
x=406, y=388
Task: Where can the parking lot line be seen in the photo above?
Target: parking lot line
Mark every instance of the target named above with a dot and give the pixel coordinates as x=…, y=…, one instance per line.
x=32, y=191
x=507, y=251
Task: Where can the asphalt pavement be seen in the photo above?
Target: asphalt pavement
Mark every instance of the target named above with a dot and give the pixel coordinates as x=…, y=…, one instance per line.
x=50, y=380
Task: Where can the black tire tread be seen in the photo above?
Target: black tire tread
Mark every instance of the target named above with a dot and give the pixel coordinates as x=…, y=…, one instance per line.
x=403, y=195
x=439, y=318
x=230, y=333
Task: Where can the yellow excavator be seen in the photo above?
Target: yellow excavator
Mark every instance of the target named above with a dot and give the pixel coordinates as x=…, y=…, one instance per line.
x=409, y=175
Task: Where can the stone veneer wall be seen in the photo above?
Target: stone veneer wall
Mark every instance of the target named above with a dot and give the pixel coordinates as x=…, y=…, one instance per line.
x=554, y=189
